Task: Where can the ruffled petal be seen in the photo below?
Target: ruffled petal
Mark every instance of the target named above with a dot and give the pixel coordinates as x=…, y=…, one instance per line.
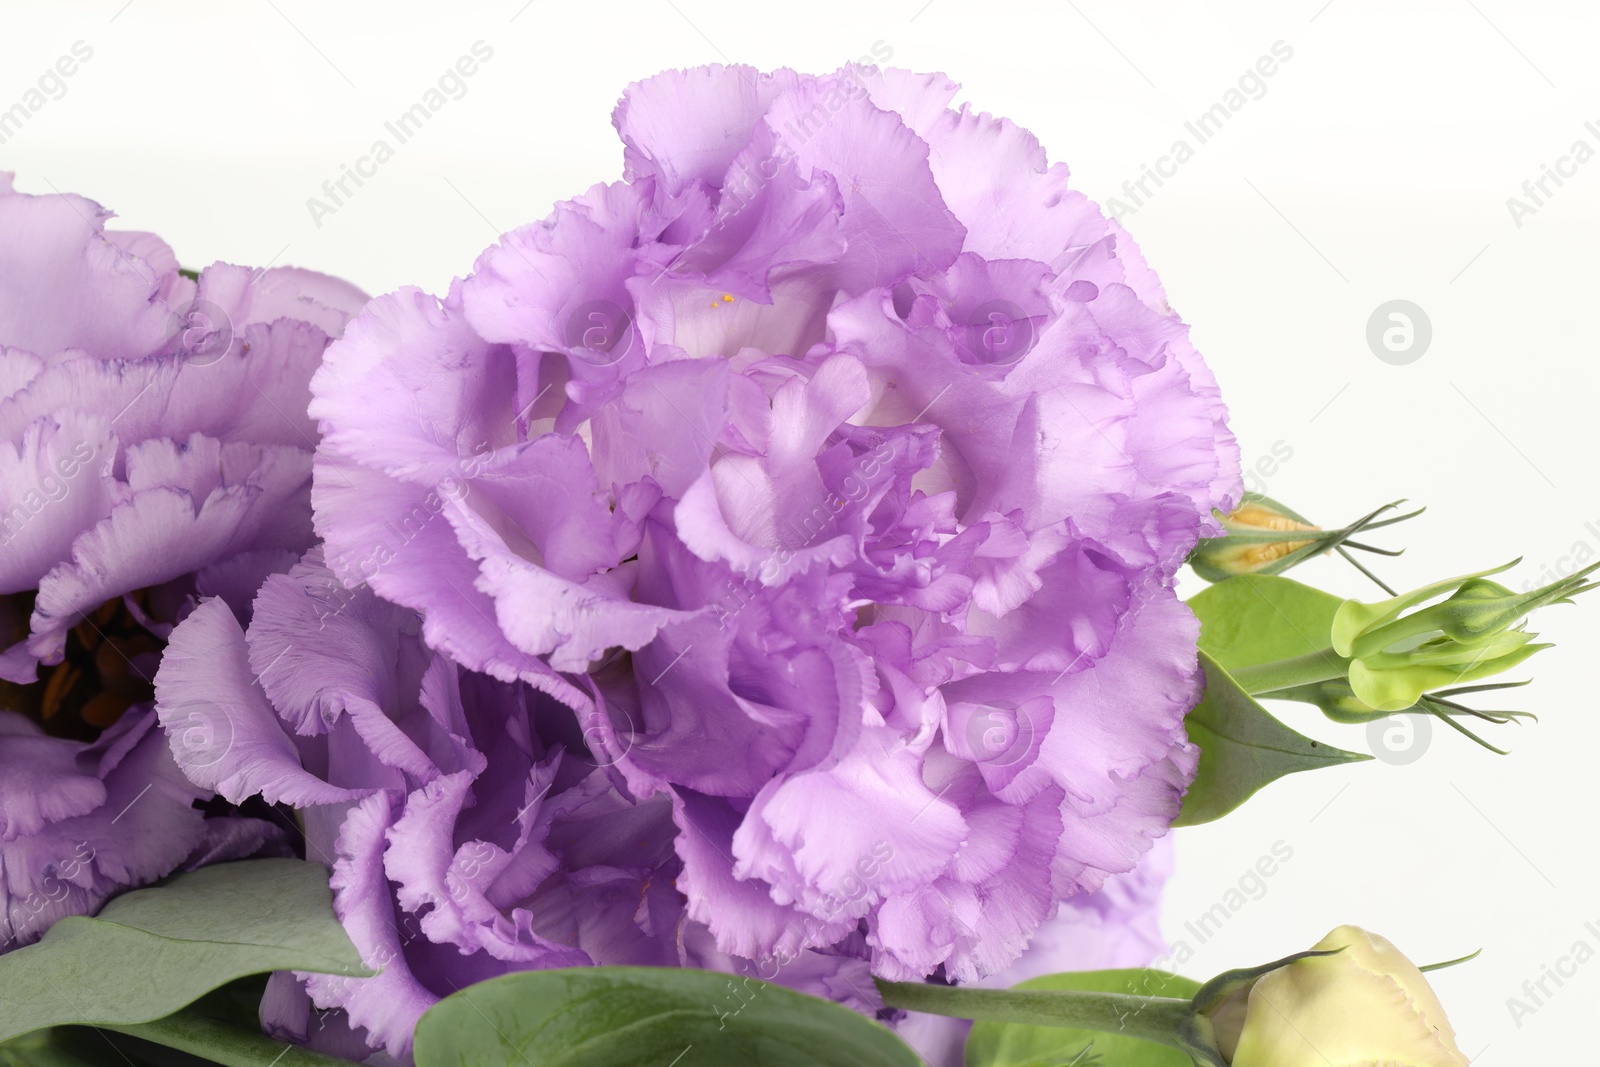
x=387, y=1006
x=64, y=285
x=688, y=125
x=190, y=507
x=223, y=732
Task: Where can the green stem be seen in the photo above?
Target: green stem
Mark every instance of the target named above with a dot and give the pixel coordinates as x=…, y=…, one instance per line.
x=1321, y=666
x=1163, y=1020
x=221, y=1043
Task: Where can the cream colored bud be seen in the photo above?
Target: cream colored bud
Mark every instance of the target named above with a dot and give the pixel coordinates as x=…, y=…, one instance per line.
x=1365, y=1004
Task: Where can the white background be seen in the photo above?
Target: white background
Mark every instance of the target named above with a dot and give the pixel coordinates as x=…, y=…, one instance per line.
x=1376, y=166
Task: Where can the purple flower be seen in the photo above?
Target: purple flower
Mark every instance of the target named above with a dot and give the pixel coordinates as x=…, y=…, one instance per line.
x=153, y=436
x=153, y=447
x=1116, y=927
x=834, y=467
x=467, y=832
x=79, y=822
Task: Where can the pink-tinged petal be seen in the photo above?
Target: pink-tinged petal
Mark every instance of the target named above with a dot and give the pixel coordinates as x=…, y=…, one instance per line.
x=386, y=1006
x=686, y=125
x=691, y=315
x=1006, y=568
x=223, y=732
x=410, y=389
x=803, y=834
x=39, y=779
x=766, y=228
x=1068, y=623
x=189, y=507
x=237, y=578
x=144, y=829
x=538, y=286
x=365, y=649
x=895, y=217
x=254, y=392
x=64, y=285
x=390, y=535
x=739, y=910
x=574, y=623
x=919, y=99
x=696, y=730
x=54, y=485
x=664, y=425
x=17, y=369
x=250, y=296
x=233, y=837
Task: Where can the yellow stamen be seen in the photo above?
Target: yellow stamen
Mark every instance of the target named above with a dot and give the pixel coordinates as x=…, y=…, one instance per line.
x=1262, y=518
x=1261, y=555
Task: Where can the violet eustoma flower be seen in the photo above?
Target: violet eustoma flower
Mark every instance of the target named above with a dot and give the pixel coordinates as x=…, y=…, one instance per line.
x=834, y=465
x=79, y=822
x=153, y=445
x=153, y=437
x=467, y=833
x=1117, y=926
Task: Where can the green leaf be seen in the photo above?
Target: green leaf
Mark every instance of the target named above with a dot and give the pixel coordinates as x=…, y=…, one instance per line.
x=49, y=1048
x=158, y=1044
x=221, y=1043
x=1259, y=618
x=152, y=951
x=1016, y=1045
x=624, y=1016
x=1242, y=748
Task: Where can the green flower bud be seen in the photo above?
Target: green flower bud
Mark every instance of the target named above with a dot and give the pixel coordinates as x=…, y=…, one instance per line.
x=1266, y=537
x=1397, y=655
x=1262, y=538
x=1337, y=700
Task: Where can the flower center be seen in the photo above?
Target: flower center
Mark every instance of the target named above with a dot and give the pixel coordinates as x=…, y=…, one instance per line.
x=108, y=667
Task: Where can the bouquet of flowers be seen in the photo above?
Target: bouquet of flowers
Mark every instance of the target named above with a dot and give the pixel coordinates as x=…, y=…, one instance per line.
x=737, y=622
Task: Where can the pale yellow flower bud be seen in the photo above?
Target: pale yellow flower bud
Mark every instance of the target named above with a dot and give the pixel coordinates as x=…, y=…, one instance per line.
x=1363, y=1005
